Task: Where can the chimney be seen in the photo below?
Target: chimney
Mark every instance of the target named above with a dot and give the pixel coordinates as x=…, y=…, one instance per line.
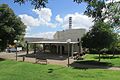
x=70, y=22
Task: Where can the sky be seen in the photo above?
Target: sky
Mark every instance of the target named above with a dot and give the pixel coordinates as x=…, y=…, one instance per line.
x=45, y=22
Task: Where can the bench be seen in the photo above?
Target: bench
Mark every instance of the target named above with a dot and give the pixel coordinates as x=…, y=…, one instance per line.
x=41, y=60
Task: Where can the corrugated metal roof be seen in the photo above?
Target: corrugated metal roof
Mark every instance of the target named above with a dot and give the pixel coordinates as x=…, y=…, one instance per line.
x=52, y=42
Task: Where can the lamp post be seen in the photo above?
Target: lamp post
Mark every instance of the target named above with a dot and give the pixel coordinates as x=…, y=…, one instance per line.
x=68, y=42
x=27, y=50
x=15, y=41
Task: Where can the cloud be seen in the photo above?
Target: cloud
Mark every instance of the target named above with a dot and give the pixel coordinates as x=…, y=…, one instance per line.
x=109, y=1
x=78, y=21
x=59, y=19
x=43, y=19
x=44, y=13
x=48, y=35
x=28, y=28
x=29, y=20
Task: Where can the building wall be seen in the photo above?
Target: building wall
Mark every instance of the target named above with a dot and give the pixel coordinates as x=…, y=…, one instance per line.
x=72, y=34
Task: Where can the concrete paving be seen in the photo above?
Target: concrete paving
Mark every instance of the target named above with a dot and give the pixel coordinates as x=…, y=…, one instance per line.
x=51, y=59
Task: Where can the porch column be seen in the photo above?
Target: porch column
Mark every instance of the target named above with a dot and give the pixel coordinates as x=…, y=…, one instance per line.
x=60, y=49
x=43, y=47
x=72, y=49
x=27, y=48
x=81, y=51
x=57, y=48
x=50, y=48
x=34, y=48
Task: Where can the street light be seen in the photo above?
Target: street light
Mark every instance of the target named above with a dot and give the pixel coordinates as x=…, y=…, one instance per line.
x=68, y=41
x=15, y=41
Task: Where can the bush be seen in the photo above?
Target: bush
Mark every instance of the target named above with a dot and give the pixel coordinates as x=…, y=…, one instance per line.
x=93, y=51
x=114, y=50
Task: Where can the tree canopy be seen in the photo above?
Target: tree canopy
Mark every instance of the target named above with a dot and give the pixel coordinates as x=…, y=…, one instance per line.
x=11, y=26
x=36, y=3
x=99, y=37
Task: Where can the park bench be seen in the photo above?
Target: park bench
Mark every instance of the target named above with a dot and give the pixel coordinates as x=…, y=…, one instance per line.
x=41, y=59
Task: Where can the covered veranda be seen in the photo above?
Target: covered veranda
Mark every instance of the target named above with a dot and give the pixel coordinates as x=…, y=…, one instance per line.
x=56, y=47
x=53, y=50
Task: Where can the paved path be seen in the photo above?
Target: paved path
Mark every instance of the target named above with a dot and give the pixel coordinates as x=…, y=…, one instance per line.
x=63, y=62
x=57, y=60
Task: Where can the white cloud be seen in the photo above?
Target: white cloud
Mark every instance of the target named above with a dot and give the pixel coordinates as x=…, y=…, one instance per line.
x=48, y=35
x=43, y=19
x=109, y=1
x=59, y=19
x=29, y=20
x=28, y=28
x=44, y=13
x=53, y=25
x=78, y=21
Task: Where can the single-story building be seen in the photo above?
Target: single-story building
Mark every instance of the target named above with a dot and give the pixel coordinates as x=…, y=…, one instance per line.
x=64, y=41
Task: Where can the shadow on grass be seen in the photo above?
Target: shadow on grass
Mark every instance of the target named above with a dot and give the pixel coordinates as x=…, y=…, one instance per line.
x=90, y=64
x=107, y=57
x=51, y=70
x=1, y=59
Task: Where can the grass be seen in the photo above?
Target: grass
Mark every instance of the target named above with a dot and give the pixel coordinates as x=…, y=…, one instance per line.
x=12, y=70
x=115, y=61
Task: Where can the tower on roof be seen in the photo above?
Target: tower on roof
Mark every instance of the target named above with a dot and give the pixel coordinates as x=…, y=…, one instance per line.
x=70, y=22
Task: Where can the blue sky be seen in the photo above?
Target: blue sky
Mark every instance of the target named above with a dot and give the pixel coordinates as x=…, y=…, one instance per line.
x=54, y=17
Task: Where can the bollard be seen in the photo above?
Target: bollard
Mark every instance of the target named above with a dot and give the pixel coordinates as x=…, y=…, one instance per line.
x=23, y=58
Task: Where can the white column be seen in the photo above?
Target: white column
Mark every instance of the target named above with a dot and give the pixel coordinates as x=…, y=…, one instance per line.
x=50, y=48
x=57, y=48
x=60, y=49
x=72, y=49
x=44, y=48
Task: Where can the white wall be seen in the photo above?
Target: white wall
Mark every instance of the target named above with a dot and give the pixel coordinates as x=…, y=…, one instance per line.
x=72, y=34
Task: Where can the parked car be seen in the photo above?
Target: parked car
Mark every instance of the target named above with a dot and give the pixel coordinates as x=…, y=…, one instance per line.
x=14, y=49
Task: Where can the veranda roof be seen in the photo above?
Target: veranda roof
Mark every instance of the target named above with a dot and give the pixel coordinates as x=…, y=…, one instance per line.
x=52, y=42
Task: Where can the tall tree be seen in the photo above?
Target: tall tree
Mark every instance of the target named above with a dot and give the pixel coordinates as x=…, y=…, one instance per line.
x=36, y=3
x=11, y=26
x=104, y=10
x=113, y=15
x=99, y=37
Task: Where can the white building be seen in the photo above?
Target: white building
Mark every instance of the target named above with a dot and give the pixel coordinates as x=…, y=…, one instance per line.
x=72, y=34
x=59, y=44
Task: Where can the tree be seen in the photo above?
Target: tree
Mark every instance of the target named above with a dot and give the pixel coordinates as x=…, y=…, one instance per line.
x=11, y=26
x=99, y=37
x=36, y=3
x=113, y=15
x=100, y=10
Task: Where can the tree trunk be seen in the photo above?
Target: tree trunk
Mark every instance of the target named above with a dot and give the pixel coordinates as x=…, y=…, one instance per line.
x=99, y=54
x=99, y=57
x=113, y=52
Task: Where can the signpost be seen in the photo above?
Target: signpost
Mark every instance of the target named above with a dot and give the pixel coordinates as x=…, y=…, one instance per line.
x=15, y=41
x=68, y=41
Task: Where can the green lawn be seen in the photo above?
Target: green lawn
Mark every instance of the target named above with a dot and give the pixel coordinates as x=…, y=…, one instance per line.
x=12, y=70
x=115, y=61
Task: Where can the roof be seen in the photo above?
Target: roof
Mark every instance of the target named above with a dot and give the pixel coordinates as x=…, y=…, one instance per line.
x=51, y=42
